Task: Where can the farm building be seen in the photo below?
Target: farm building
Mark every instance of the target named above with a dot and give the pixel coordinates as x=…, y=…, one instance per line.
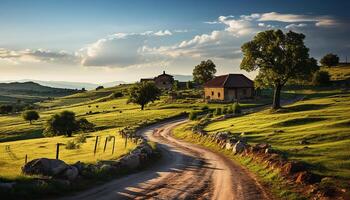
x=229, y=87
x=163, y=81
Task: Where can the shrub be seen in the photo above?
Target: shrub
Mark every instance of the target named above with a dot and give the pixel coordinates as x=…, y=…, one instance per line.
x=236, y=108
x=321, y=78
x=81, y=138
x=84, y=125
x=71, y=144
x=204, y=108
x=218, y=111
x=118, y=94
x=230, y=110
x=193, y=115
x=5, y=109
x=99, y=87
x=224, y=111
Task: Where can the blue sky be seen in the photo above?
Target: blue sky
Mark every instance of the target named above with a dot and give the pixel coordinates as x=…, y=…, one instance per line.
x=101, y=41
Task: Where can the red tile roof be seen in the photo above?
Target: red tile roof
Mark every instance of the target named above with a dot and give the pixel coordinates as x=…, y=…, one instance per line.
x=230, y=81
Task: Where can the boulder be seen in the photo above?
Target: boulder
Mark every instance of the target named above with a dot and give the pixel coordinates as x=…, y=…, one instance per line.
x=45, y=167
x=71, y=173
x=146, y=149
x=131, y=161
x=239, y=147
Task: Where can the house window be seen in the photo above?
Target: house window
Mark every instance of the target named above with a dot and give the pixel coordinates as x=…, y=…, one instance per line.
x=212, y=93
x=219, y=94
x=244, y=91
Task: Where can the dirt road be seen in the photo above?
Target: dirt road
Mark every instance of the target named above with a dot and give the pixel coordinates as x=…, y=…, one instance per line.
x=185, y=171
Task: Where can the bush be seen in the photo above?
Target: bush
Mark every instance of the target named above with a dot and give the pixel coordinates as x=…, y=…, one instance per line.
x=71, y=144
x=193, y=115
x=5, y=109
x=224, y=111
x=321, y=78
x=230, y=110
x=204, y=108
x=85, y=126
x=99, y=87
x=218, y=111
x=236, y=108
x=81, y=138
x=118, y=94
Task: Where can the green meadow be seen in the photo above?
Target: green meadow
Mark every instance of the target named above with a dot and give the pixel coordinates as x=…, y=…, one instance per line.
x=315, y=130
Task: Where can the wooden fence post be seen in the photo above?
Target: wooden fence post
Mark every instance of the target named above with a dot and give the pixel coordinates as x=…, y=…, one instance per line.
x=126, y=141
x=26, y=159
x=113, y=144
x=57, y=150
x=104, y=148
x=96, y=145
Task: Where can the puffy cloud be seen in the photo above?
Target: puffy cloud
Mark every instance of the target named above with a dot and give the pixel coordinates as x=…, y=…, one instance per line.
x=38, y=55
x=319, y=20
x=163, y=33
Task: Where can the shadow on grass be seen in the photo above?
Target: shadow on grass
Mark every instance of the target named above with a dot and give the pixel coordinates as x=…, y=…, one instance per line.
x=23, y=136
x=302, y=108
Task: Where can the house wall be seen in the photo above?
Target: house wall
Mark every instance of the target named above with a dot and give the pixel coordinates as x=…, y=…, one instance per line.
x=164, y=82
x=214, y=93
x=242, y=93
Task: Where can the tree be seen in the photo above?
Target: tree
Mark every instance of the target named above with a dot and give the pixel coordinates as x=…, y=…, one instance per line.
x=143, y=93
x=204, y=72
x=63, y=123
x=279, y=57
x=30, y=115
x=330, y=60
x=176, y=85
x=321, y=78
x=189, y=85
x=5, y=109
x=84, y=125
x=99, y=87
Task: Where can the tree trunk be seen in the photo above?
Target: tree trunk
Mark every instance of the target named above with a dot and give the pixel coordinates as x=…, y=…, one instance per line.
x=142, y=106
x=277, y=97
x=30, y=122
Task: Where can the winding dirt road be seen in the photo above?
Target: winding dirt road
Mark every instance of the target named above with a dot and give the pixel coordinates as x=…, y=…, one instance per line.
x=185, y=171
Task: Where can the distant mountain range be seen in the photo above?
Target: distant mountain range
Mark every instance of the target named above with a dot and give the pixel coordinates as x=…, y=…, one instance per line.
x=68, y=84
x=87, y=86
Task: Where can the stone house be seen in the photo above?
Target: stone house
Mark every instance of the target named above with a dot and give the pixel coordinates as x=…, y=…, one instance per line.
x=229, y=87
x=163, y=81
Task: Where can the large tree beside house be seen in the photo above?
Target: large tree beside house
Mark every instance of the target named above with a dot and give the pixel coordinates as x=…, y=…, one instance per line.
x=143, y=93
x=204, y=72
x=279, y=57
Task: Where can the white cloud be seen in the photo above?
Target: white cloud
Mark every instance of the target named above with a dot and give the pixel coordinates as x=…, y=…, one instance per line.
x=163, y=33
x=295, y=26
x=319, y=20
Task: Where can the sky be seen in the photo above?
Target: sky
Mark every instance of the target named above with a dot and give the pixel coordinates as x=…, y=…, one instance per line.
x=101, y=41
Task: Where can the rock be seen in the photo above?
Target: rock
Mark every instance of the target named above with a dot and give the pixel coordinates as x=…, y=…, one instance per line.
x=239, y=147
x=262, y=146
x=269, y=150
x=131, y=161
x=79, y=165
x=7, y=186
x=229, y=146
x=107, y=168
x=45, y=166
x=71, y=173
x=303, y=142
x=293, y=167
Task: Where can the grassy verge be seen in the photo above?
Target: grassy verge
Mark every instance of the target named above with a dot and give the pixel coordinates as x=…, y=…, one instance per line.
x=269, y=177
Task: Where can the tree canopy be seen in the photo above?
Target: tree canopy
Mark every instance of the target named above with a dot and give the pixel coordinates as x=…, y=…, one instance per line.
x=30, y=115
x=63, y=123
x=204, y=72
x=330, y=60
x=279, y=57
x=143, y=93
x=321, y=78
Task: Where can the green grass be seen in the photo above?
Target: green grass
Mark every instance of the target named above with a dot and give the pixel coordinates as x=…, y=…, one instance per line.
x=12, y=160
x=321, y=120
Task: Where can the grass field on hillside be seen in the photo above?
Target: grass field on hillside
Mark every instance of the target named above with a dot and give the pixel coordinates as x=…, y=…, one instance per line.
x=12, y=158
x=316, y=130
x=341, y=72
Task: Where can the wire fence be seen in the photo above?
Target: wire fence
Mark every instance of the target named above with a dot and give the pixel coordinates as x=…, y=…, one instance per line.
x=14, y=155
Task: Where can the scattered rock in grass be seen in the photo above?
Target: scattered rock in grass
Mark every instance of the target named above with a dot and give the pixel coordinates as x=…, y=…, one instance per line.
x=239, y=147
x=71, y=173
x=303, y=142
x=293, y=167
x=7, y=186
x=45, y=167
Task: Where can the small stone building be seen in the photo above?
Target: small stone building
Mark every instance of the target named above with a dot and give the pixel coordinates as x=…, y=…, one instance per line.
x=229, y=87
x=163, y=81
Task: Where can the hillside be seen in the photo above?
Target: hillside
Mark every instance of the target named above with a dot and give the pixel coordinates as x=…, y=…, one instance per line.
x=341, y=72
x=29, y=92
x=315, y=130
